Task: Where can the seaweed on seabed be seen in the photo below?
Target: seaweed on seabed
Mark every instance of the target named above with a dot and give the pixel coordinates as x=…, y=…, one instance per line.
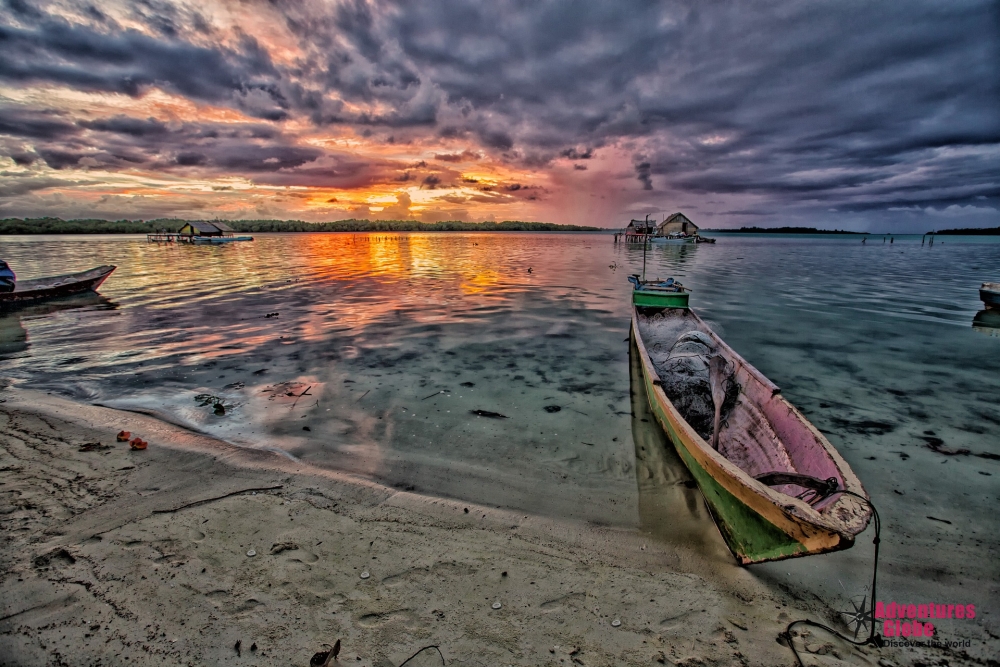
x=208, y=399
x=685, y=380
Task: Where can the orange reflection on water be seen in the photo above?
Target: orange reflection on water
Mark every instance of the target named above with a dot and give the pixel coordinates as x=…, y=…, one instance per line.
x=458, y=257
x=452, y=265
x=480, y=282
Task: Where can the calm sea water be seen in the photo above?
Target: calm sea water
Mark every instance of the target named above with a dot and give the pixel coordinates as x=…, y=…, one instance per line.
x=369, y=353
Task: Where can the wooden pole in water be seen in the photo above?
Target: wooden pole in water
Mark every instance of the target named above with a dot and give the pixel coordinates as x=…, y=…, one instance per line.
x=643, y=259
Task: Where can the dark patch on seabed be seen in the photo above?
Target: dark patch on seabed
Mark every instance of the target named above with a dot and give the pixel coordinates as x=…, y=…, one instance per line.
x=863, y=426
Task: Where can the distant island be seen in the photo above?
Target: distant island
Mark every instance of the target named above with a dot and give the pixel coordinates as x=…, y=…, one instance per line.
x=60, y=226
x=781, y=230
x=966, y=231
x=969, y=231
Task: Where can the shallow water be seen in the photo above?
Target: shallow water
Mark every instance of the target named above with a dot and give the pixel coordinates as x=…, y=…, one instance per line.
x=382, y=345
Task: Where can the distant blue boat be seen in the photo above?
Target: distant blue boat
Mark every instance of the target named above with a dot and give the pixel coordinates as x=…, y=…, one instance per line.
x=216, y=240
x=990, y=295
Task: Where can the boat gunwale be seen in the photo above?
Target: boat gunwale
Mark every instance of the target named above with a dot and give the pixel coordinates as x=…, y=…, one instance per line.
x=793, y=510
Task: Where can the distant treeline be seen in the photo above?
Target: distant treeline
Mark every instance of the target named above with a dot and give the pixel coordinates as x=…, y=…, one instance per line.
x=784, y=230
x=60, y=226
x=970, y=231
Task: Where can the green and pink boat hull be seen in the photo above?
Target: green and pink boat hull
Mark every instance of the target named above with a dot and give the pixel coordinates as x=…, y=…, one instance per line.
x=765, y=436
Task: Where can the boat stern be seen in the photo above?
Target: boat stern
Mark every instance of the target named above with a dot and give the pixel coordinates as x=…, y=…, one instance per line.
x=657, y=299
x=666, y=294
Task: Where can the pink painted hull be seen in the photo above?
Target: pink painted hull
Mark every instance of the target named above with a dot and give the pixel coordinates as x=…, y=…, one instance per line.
x=764, y=434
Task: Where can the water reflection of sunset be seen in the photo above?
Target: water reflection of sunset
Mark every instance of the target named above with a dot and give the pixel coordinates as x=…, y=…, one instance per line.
x=205, y=304
x=480, y=281
x=402, y=256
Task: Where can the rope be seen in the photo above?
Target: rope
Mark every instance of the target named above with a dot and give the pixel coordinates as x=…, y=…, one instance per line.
x=874, y=639
x=426, y=648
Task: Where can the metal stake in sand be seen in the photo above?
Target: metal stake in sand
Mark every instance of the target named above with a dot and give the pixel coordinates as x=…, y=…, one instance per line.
x=717, y=379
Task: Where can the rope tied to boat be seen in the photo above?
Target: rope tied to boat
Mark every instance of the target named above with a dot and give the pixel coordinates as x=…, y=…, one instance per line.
x=874, y=638
x=816, y=489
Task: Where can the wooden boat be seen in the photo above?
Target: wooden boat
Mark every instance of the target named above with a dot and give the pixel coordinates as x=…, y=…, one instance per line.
x=656, y=293
x=680, y=239
x=773, y=481
x=45, y=288
x=989, y=293
x=674, y=239
x=218, y=240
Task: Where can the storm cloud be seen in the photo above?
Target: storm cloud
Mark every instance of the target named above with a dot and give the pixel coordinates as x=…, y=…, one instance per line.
x=780, y=108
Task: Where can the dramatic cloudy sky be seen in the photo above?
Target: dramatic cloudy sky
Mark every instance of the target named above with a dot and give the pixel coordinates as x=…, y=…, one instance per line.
x=863, y=115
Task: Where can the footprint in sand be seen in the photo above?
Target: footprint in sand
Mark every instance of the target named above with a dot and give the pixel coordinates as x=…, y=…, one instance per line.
x=561, y=603
x=405, y=616
x=248, y=606
x=300, y=556
x=196, y=535
x=219, y=598
x=439, y=570
x=293, y=553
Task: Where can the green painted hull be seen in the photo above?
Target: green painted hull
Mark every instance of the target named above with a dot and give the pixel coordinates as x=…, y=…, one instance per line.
x=758, y=523
x=750, y=536
x=656, y=299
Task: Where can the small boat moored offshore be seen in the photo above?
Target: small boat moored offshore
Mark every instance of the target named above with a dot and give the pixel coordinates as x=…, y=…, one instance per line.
x=989, y=293
x=218, y=240
x=655, y=293
x=774, y=484
x=44, y=288
x=674, y=239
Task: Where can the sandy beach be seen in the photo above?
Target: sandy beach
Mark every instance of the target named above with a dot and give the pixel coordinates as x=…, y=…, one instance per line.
x=198, y=552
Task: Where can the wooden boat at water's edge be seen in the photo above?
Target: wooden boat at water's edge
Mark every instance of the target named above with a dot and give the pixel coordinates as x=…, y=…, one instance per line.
x=774, y=485
x=55, y=286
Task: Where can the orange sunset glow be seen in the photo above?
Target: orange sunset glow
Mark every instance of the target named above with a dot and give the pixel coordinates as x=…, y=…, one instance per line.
x=560, y=112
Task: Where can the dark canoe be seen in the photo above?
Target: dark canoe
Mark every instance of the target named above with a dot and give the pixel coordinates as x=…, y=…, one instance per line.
x=990, y=295
x=754, y=482
x=28, y=291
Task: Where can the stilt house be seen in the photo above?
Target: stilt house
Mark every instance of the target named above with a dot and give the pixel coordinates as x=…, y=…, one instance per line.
x=678, y=223
x=202, y=228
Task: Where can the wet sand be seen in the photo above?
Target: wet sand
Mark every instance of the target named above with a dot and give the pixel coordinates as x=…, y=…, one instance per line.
x=123, y=557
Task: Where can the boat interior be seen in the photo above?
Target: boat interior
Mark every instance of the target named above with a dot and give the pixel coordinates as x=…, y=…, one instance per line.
x=759, y=431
